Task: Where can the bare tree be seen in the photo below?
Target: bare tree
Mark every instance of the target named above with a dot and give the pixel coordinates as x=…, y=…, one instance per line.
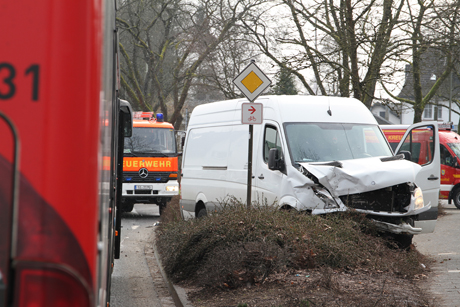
x=433, y=36
x=165, y=42
x=226, y=62
x=341, y=44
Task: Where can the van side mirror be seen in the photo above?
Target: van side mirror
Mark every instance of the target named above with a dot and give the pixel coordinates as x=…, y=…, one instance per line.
x=274, y=162
x=407, y=154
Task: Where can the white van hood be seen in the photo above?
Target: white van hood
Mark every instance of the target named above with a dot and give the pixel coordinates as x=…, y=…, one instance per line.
x=362, y=175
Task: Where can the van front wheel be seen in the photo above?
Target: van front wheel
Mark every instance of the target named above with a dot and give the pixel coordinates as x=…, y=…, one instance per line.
x=202, y=213
x=456, y=198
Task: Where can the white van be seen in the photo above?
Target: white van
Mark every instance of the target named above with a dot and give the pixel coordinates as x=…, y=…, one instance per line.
x=312, y=153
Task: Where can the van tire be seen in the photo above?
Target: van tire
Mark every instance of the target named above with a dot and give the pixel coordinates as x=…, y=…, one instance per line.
x=456, y=198
x=201, y=213
x=403, y=240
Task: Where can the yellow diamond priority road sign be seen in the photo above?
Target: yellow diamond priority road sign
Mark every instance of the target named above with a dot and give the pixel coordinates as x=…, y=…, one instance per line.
x=252, y=82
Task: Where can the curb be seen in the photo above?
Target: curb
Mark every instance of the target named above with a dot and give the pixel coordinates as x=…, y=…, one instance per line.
x=178, y=294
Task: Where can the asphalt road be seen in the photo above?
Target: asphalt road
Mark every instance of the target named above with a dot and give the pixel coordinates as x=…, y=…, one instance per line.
x=444, y=248
x=136, y=280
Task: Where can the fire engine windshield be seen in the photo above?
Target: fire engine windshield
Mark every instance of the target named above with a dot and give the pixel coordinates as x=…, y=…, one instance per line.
x=150, y=140
x=455, y=148
x=321, y=142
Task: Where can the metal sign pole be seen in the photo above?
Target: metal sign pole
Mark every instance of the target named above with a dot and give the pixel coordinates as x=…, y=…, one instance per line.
x=252, y=82
x=248, y=197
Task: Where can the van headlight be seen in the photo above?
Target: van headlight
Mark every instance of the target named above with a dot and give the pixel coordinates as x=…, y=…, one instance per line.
x=172, y=188
x=418, y=195
x=329, y=202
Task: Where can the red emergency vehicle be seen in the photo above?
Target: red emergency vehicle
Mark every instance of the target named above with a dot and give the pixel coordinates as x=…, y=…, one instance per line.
x=450, y=153
x=60, y=120
x=150, y=162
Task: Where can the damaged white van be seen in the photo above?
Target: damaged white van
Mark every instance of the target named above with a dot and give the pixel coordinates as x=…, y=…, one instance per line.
x=311, y=153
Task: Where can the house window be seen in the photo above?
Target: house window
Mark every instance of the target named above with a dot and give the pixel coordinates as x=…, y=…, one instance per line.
x=428, y=112
x=382, y=114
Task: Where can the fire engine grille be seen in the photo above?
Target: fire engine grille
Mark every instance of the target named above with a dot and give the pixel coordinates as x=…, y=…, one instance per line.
x=152, y=177
x=144, y=192
x=391, y=199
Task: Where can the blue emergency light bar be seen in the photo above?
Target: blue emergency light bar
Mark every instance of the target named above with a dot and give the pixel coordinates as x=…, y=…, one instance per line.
x=446, y=126
x=160, y=117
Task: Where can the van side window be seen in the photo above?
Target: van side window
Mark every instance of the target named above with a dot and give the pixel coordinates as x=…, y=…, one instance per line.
x=446, y=157
x=271, y=140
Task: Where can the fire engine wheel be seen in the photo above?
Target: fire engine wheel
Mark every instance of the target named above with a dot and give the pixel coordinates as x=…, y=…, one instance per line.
x=162, y=208
x=127, y=207
x=456, y=198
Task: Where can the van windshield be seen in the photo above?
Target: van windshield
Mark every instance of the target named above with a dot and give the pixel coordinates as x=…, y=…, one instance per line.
x=321, y=142
x=150, y=140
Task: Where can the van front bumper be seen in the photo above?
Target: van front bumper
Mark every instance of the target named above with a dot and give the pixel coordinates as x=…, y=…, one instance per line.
x=424, y=222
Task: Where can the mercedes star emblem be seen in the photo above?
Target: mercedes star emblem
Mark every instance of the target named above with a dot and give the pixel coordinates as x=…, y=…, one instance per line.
x=143, y=172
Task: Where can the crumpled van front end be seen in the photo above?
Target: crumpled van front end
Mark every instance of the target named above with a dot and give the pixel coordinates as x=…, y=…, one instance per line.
x=349, y=166
x=382, y=188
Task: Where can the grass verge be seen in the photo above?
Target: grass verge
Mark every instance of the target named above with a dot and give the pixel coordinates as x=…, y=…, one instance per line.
x=237, y=246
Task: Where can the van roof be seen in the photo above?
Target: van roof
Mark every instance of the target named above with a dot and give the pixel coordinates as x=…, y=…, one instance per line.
x=287, y=108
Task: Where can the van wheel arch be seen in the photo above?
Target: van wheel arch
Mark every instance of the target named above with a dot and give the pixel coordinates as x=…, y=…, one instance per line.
x=286, y=207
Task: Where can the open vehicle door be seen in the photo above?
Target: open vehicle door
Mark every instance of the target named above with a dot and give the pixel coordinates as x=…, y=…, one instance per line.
x=422, y=141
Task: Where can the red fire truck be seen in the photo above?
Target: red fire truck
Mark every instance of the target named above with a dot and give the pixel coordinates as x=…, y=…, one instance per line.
x=60, y=126
x=450, y=153
x=150, y=162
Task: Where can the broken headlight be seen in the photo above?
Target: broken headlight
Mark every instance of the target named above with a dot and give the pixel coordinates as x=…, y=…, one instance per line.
x=329, y=202
x=418, y=195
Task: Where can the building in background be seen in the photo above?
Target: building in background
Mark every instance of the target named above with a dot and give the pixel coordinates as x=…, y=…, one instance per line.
x=438, y=109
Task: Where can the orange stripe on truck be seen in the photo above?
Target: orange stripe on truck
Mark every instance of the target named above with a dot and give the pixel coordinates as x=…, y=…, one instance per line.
x=394, y=138
x=152, y=164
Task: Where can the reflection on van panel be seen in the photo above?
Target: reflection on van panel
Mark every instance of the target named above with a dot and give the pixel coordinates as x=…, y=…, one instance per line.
x=312, y=153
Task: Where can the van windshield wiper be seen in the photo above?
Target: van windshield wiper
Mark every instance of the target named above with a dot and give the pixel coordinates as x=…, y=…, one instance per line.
x=332, y=163
x=392, y=158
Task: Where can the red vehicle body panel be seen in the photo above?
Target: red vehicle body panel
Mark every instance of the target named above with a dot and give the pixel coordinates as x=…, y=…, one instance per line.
x=51, y=91
x=450, y=169
x=450, y=173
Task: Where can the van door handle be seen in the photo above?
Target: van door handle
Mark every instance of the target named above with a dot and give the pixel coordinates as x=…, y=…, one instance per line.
x=261, y=176
x=433, y=178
